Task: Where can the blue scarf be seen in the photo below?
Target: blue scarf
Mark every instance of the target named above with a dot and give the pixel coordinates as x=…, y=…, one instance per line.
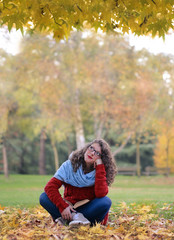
x=77, y=179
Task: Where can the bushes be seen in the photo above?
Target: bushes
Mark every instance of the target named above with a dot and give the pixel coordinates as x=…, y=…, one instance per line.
x=127, y=157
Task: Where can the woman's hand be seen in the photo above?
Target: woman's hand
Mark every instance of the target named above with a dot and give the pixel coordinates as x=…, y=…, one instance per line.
x=97, y=162
x=66, y=213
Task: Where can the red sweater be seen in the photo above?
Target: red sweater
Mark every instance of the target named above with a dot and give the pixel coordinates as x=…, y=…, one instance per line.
x=75, y=194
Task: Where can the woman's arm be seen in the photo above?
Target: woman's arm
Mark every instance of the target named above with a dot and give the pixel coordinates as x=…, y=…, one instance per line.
x=101, y=187
x=53, y=194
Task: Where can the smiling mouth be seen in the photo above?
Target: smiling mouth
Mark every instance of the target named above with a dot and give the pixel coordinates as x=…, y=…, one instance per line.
x=89, y=157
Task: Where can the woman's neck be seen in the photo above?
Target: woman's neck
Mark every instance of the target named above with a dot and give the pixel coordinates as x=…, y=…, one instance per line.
x=88, y=168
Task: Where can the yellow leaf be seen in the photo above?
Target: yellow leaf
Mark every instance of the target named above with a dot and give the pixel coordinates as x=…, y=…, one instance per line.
x=1, y=208
x=144, y=209
x=142, y=237
x=127, y=236
x=96, y=229
x=133, y=204
x=5, y=237
x=20, y=211
x=143, y=218
x=84, y=228
x=123, y=205
x=120, y=229
x=80, y=237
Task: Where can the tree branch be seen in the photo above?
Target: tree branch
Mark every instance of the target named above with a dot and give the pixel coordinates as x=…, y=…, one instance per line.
x=122, y=145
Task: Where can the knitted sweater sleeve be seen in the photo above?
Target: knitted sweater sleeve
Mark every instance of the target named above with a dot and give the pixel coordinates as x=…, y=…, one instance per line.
x=101, y=187
x=54, y=195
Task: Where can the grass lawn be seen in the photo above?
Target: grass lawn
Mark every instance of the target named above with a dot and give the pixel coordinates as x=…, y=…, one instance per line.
x=143, y=208
x=24, y=190
x=147, y=190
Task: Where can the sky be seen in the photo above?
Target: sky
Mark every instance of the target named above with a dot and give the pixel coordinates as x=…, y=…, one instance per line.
x=156, y=45
x=11, y=42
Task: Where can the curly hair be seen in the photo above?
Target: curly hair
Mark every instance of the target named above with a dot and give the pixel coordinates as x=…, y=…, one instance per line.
x=77, y=158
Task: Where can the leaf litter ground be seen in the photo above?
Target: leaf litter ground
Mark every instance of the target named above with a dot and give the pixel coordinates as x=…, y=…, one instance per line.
x=139, y=222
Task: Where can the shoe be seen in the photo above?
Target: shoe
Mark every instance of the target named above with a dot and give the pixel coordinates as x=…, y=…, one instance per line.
x=61, y=221
x=78, y=218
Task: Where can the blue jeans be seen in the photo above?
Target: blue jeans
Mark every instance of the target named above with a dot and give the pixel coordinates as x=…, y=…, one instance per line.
x=94, y=211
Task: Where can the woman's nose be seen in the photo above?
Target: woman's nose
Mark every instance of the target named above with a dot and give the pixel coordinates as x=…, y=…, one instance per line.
x=93, y=153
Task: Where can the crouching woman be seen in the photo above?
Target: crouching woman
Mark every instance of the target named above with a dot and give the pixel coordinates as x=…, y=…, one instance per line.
x=85, y=176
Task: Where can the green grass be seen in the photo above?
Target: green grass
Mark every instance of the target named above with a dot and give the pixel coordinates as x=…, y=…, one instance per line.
x=21, y=190
x=24, y=190
x=147, y=190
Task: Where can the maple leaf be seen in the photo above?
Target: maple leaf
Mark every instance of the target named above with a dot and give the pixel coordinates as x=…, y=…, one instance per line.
x=59, y=17
x=1, y=207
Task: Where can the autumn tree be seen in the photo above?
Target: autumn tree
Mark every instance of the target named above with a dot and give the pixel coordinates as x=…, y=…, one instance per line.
x=38, y=78
x=60, y=17
x=143, y=107
x=164, y=154
x=123, y=90
x=74, y=74
x=109, y=65
x=164, y=149
x=89, y=86
x=7, y=103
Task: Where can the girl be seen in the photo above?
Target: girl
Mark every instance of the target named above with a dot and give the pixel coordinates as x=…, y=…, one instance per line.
x=85, y=176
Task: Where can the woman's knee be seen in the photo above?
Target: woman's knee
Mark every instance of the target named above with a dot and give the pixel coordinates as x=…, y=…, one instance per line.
x=105, y=202
x=42, y=199
x=108, y=202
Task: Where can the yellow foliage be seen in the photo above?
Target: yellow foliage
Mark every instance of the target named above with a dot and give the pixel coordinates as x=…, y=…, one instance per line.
x=37, y=224
x=145, y=209
x=164, y=152
x=120, y=229
x=1, y=207
x=96, y=229
x=60, y=17
x=3, y=120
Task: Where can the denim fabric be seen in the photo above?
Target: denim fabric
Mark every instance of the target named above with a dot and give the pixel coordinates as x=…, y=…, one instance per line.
x=94, y=211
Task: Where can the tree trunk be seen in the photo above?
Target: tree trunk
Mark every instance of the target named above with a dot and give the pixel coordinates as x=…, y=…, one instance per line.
x=98, y=128
x=167, y=158
x=69, y=145
x=5, y=161
x=80, y=138
x=138, y=158
x=42, y=170
x=56, y=156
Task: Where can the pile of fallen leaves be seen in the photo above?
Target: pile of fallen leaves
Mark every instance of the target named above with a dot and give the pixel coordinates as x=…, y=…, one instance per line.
x=138, y=222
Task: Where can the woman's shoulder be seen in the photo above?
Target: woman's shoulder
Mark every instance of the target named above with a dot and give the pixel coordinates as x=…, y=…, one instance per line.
x=70, y=156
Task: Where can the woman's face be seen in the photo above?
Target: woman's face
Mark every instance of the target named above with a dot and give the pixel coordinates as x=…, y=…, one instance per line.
x=92, y=153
